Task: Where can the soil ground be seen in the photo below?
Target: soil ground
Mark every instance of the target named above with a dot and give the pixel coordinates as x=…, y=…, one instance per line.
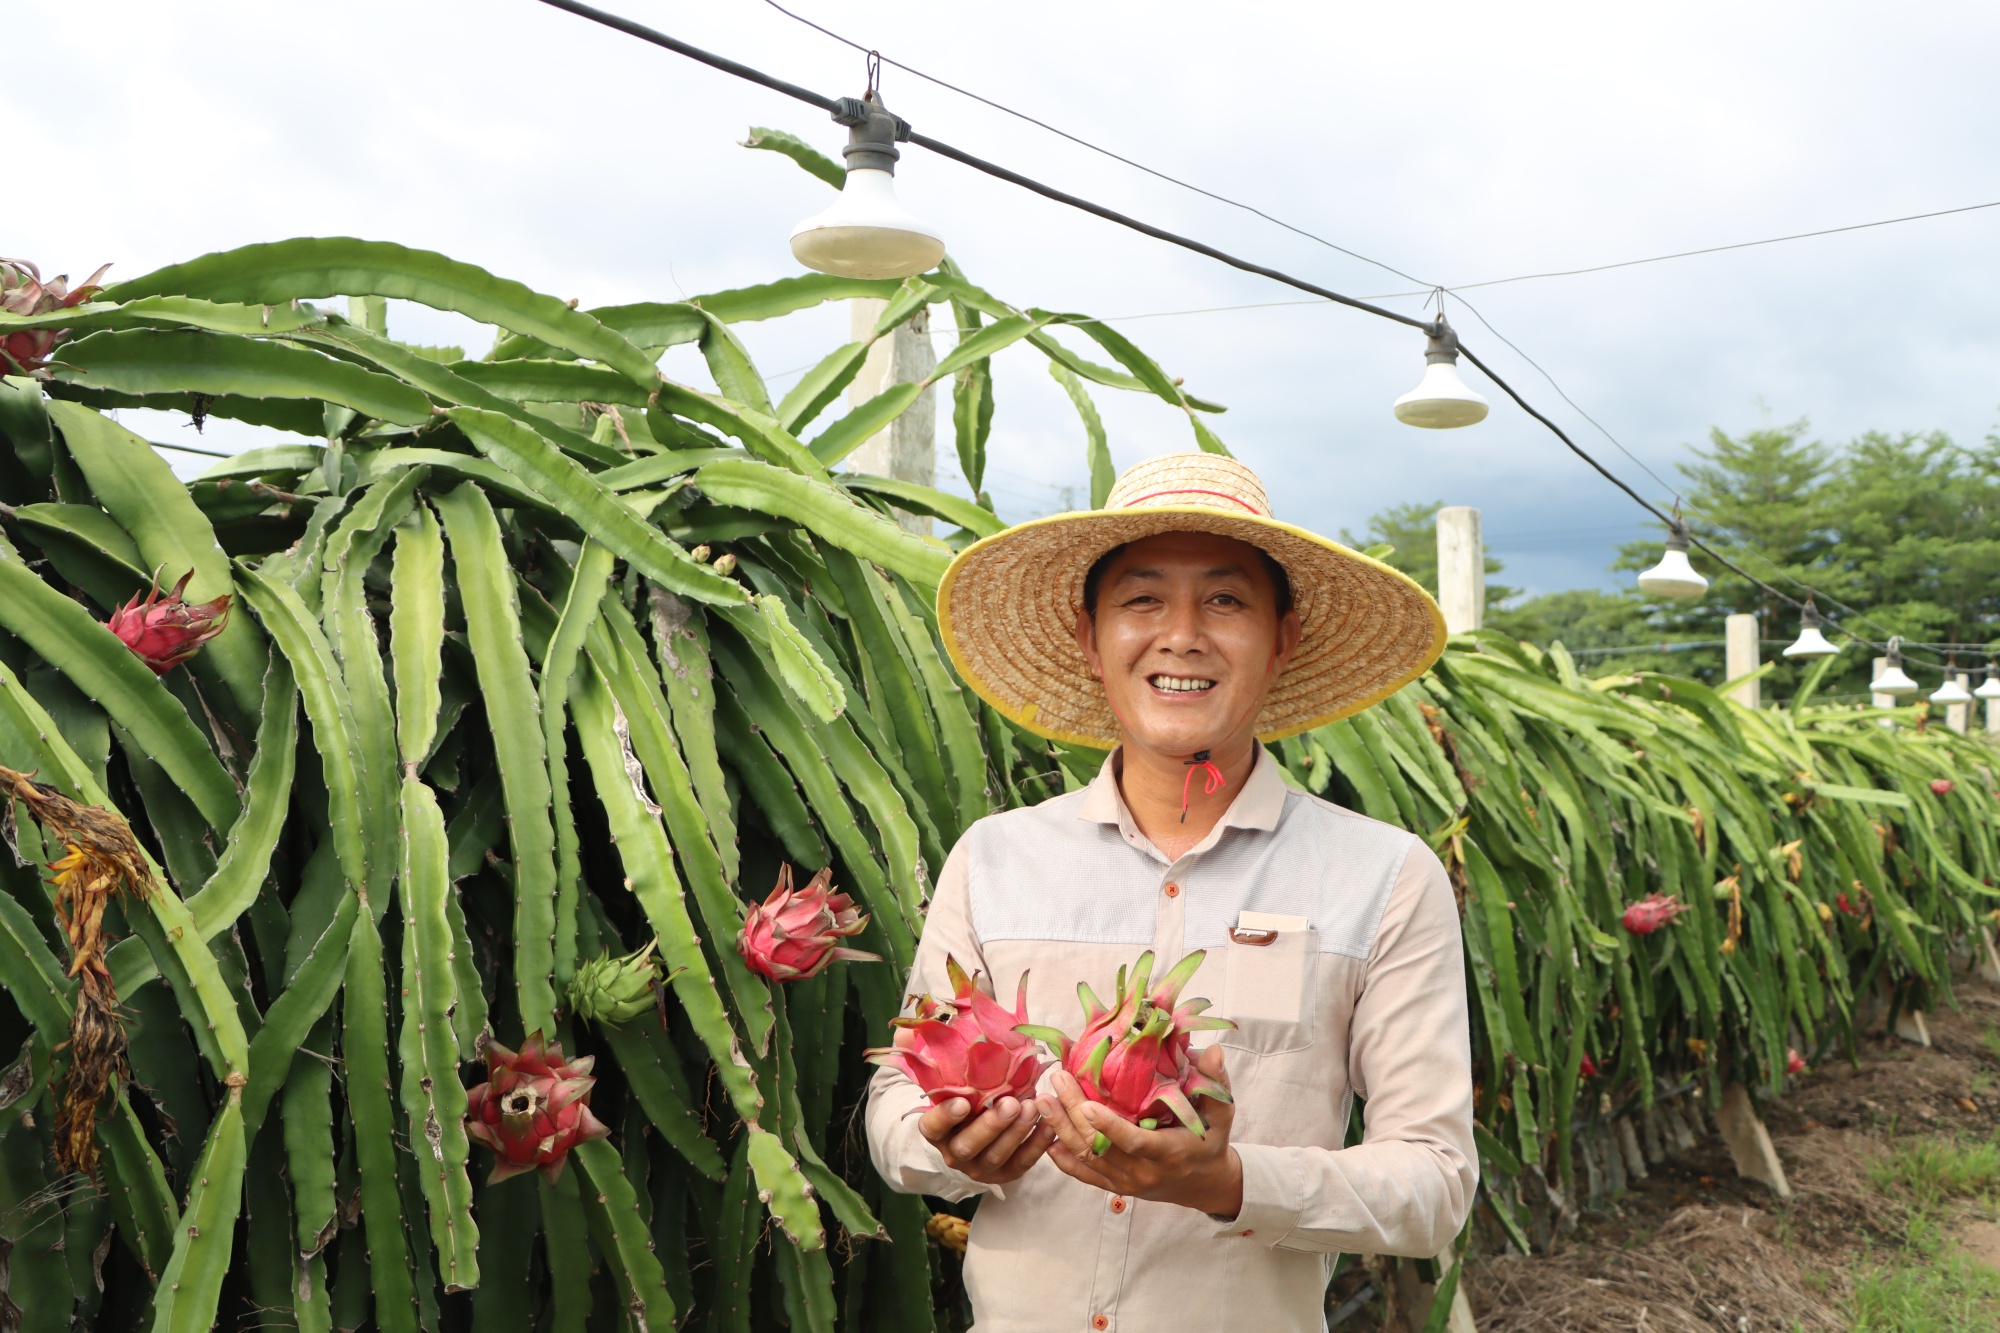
x=1895, y=1164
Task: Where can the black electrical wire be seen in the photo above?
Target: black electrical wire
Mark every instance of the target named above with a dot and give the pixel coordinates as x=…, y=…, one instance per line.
x=810, y=98
x=993, y=169
x=1095, y=148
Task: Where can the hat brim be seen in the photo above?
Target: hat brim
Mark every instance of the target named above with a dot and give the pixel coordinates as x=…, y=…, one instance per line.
x=1007, y=610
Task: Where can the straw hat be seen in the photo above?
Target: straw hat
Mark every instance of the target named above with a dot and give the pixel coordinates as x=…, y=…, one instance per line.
x=1007, y=606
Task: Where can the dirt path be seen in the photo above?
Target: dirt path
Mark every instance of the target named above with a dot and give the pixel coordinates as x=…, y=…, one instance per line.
x=1889, y=1159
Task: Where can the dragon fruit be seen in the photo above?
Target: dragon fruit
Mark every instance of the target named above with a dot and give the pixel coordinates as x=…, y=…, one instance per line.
x=22, y=292
x=1135, y=1057
x=533, y=1108
x=793, y=935
x=970, y=1046
x=165, y=632
x=1651, y=912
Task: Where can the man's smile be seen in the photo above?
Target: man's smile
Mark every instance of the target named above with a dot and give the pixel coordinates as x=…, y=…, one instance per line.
x=1180, y=684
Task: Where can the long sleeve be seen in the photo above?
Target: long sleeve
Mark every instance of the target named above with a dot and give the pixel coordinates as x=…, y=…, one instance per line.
x=907, y=1161
x=1408, y=1186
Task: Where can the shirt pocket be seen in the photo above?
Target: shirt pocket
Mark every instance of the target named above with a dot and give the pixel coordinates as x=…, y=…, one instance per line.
x=1271, y=990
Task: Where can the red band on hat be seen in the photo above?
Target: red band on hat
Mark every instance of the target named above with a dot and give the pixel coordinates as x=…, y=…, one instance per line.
x=1189, y=490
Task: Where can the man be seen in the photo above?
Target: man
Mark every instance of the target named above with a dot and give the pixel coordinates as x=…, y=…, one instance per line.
x=1180, y=624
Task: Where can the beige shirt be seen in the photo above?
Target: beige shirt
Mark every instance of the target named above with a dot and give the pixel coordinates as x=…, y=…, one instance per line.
x=1369, y=1000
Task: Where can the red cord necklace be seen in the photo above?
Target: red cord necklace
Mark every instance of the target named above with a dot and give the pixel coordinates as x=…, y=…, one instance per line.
x=1212, y=784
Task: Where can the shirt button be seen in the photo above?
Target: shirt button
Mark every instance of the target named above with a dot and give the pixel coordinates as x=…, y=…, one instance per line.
x=1117, y=1205
x=1099, y=1322
x=1173, y=890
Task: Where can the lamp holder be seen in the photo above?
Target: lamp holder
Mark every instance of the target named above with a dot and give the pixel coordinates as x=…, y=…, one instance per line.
x=873, y=131
x=1443, y=345
x=1677, y=535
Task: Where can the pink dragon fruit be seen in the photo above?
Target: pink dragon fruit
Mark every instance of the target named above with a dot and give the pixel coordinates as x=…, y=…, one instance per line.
x=22, y=292
x=969, y=1046
x=1651, y=912
x=533, y=1108
x=1135, y=1057
x=165, y=632
x=792, y=935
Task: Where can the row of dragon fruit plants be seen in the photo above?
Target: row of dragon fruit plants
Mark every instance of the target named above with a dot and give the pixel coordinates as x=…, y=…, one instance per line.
x=570, y=664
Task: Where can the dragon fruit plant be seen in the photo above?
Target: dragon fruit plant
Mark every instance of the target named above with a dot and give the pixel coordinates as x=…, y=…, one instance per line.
x=22, y=292
x=164, y=632
x=793, y=934
x=1135, y=1057
x=969, y=1046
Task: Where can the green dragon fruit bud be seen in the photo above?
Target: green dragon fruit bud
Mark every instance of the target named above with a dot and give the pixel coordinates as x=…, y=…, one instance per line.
x=618, y=990
x=725, y=564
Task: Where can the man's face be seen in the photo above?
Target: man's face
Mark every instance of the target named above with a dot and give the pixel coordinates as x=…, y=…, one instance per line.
x=1187, y=640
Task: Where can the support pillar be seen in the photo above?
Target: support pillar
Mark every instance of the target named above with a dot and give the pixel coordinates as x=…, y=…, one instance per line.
x=1461, y=569
x=1740, y=637
x=907, y=449
x=1749, y=1142
x=1959, y=716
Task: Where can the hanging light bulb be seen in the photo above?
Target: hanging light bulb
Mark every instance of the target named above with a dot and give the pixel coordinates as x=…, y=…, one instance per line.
x=1811, y=643
x=1951, y=692
x=867, y=233
x=1441, y=400
x=1990, y=688
x=1674, y=576
x=1893, y=680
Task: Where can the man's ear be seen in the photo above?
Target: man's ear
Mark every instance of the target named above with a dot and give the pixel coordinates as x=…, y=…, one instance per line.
x=1290, y=630
x=1086, y=641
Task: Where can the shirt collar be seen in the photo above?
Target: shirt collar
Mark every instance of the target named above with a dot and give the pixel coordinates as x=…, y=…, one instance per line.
x=1258, y=805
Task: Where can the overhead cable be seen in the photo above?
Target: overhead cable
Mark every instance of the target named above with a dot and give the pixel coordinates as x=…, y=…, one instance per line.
x=810, y=98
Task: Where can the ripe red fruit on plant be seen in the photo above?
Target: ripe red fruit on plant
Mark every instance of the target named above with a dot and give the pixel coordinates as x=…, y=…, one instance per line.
x=22, y=292
x=533, y=1108
x=1942, y=787
x=166, y=631
x=1586, y=1067
x=1651, y=912
x=1135, y=1056
x=1840, y=901
x=1794, y=1062
x=792, y=935
x=968, y=1046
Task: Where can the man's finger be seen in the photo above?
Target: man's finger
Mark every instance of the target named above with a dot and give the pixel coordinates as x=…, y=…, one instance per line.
x=1032, y=1149
x=1010, y=1138
x=977, y=1134
x=941, y=1122
x=1073, y=1134
x=1123, y=1135
x=1081, y=1168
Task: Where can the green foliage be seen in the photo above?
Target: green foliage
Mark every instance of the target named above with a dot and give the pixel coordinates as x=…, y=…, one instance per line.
x=479, y=672
x=482, y=673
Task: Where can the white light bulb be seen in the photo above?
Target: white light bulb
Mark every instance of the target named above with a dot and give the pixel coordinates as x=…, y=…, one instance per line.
x=1441, y=400
x=1990, y=688
x=1951, y=692
x=1811, y=642
x=1674, y=576
x=867, y=233
x=1893, y=680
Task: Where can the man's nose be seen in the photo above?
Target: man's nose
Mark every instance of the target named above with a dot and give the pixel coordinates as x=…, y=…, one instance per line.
x=1182, y=631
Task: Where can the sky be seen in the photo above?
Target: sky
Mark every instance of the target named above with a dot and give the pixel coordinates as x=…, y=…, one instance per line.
x=1457, y=142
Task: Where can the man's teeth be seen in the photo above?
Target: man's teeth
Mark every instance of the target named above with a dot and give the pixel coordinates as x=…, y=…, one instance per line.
x=1180, y=684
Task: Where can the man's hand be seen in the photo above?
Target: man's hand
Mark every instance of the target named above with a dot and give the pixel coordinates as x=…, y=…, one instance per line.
x=996, y=1146
x=1169, y=1165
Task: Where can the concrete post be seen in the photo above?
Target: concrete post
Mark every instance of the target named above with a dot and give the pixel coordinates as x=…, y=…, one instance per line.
x=1461, y=568
x=1959, y=716
x=1993, y=717
x=907, y=450
x=1749, y=1142
x=1740, y=658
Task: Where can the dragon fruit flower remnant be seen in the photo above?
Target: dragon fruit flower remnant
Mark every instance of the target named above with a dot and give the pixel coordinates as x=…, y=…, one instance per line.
x=22, y=292
x=166, y=631
x=1135, y=1057
x=1651, y=912
x=969, y=1046
x=793, y=934
x=533, y=1108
